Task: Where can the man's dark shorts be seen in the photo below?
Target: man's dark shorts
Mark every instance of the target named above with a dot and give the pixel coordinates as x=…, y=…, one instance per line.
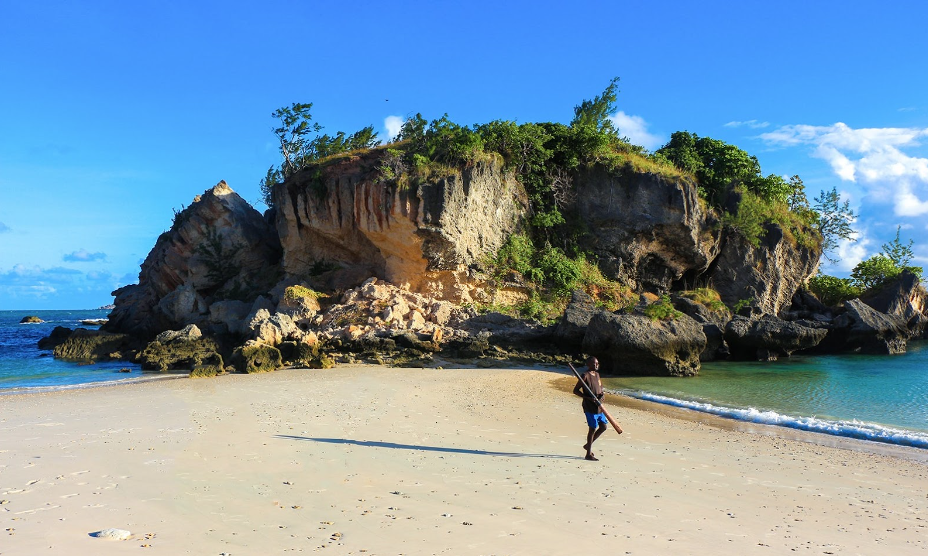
x=594, y=419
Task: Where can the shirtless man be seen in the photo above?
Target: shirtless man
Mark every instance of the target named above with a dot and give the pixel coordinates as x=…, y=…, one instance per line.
x=594, y=413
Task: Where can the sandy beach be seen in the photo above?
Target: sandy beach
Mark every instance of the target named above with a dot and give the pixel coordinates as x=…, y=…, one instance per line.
x=370, y=460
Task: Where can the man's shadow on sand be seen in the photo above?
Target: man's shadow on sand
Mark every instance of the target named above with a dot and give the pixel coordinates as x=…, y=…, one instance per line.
x=395, y=446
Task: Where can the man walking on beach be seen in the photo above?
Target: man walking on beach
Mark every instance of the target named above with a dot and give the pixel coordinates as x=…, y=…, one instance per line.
x=594, y=413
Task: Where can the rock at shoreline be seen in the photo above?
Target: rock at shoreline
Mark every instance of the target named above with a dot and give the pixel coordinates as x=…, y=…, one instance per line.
x=768, y=338
x=635, y=344
x=90, y=345
x=94, y=322
x=866, y=330
x=57, y=337
x=31, y=319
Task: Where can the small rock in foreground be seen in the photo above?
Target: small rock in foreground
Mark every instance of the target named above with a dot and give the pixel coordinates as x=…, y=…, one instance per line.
x=112, y=534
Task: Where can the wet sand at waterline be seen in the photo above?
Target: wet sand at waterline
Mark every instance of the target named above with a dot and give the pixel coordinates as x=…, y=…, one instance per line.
x=370, y=460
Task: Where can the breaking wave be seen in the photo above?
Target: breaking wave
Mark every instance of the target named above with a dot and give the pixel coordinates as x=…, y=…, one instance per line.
x=850, y=429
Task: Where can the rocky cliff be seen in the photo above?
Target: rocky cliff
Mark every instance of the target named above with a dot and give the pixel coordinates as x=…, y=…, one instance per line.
x=768, y=275
x=218, y=248
x=421, y=236
x=351, y=220
x=647, y=230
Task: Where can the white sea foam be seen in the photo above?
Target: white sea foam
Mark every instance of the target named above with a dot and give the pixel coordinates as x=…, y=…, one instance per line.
x=851, y=429
x=97, y=384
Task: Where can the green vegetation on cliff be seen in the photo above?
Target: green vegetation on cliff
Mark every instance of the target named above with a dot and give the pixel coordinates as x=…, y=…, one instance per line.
x=299, y=147
x=551, y=253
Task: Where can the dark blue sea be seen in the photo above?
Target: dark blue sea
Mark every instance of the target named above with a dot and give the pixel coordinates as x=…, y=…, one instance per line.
x=25, y=368
x=880, y=398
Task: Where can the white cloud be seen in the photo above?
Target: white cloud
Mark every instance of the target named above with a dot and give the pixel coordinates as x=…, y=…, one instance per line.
x=847, y=254
x=636, y=129
x=393, y=125
x=83, y=256
x=873, y=158
x=753, y=124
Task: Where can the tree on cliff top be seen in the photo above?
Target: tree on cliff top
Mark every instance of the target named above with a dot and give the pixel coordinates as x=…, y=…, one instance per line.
x=298, y=148
x=834, y=220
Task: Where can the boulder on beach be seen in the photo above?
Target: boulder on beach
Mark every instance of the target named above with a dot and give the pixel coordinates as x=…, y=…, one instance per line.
x=254, y=357
x=639, y=345
x=179, y=353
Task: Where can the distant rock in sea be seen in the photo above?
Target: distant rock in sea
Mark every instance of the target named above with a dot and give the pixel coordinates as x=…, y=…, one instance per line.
x=109, y=307
x=94, y=322
x=31, y=319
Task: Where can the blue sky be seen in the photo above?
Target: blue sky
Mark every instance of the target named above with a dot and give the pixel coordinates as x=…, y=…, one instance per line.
x=113, y=114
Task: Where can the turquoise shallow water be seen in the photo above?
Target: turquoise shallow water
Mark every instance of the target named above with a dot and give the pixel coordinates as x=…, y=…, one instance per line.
x=25, y=368
x=881, y=398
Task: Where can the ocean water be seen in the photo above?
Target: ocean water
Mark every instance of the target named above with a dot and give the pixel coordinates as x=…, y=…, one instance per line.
x=879, y=398
x=25, y=368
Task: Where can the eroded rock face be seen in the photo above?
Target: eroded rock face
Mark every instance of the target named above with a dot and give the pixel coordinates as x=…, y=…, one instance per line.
x=419, y=237
x=218, y=247
x=768, y=275
x=635, y=344
x=646, y=230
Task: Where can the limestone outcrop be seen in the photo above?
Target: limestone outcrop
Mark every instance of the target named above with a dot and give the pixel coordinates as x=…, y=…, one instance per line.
x=767, y=275
x=419, y=236
x=217, y=248
x=358, y=259
x=647, y=230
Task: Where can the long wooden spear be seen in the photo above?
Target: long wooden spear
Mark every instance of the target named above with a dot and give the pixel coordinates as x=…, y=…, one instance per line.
x=586, y=387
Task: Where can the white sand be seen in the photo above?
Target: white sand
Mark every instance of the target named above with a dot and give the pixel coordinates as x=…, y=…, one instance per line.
x=385, y=461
